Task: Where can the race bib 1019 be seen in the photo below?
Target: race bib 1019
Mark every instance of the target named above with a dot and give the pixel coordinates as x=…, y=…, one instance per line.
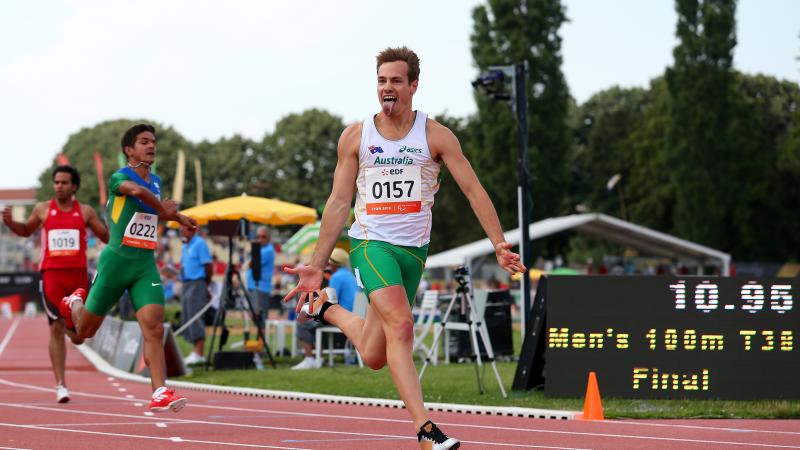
x=63, y=242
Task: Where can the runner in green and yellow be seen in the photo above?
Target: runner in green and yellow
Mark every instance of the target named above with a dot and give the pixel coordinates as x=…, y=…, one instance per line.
x=391, y=162
x=127, y=262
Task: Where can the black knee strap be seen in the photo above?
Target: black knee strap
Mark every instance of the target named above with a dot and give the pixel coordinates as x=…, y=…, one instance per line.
x=321, y=316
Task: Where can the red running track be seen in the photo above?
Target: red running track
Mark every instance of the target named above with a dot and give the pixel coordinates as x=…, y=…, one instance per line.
x=111, y=414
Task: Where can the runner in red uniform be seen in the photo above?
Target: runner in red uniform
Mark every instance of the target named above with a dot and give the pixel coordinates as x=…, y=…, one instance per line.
x=63, y=260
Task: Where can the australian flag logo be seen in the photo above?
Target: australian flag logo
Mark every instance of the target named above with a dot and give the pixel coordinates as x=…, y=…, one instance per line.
x=375, y=149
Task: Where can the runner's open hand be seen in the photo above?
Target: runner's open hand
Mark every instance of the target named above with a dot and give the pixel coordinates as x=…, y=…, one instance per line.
x=186, y=221
x=309, y=283
x=507, y=259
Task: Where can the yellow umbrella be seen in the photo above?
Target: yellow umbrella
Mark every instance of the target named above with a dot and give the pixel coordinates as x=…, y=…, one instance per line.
x=255, y=209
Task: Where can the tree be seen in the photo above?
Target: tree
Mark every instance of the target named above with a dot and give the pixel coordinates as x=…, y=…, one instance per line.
x=701, y=138
x=602, y=146
x=230, y=167
x=767, y=175
x=105, y=138
x=508, y=32
x=299, y=158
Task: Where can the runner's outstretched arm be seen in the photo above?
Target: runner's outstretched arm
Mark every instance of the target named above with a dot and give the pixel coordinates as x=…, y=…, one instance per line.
x=27, y=228
x=166, y=209
x=446, y=146
x=337, y=208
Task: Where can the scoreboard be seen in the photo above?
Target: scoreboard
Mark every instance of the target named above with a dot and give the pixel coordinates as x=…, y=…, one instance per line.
x=666, y=337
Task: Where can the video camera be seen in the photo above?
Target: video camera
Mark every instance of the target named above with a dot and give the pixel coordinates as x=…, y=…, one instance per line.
x=461, y=274
x=493, y=83
x=488, y=79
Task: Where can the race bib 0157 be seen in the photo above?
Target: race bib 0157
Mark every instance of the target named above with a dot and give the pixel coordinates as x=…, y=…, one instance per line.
x=393, y=190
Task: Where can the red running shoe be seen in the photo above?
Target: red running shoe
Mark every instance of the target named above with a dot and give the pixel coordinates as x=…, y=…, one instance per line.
x=65, y=308
x=167, y=400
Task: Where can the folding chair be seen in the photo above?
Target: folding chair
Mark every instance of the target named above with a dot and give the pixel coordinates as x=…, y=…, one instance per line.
x=359, y=309
x=424, y=324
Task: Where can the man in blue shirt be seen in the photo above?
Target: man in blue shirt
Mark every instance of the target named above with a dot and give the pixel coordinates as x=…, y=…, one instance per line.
x=261, y=292
x=196, y=276
x=342, y=280
x=344, y=283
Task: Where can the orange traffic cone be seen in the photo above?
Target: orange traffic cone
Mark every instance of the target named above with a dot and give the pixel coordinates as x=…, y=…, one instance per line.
x=592, y=406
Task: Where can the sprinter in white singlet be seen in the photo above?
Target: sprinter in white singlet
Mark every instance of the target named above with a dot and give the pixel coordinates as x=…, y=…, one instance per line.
x=393, y=160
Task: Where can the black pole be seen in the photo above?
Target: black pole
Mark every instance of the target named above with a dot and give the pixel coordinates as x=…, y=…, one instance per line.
x=525, y=202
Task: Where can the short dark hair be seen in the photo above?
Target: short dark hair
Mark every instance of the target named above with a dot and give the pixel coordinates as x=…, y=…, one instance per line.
x=129, y=138
x=73, y=172
x=391, y=54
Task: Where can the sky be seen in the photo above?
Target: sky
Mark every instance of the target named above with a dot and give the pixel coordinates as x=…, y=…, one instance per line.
x=213, y=69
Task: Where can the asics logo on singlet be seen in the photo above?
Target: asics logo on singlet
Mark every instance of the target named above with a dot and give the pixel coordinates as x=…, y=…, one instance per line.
x=375, y=149
x=405, y=160
x=410, y=149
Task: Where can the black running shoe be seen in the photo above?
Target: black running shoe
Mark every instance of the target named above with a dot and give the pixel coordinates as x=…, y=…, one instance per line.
x=430, y=437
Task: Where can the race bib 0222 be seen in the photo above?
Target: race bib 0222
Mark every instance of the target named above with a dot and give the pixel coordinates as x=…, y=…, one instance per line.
x=141, y=231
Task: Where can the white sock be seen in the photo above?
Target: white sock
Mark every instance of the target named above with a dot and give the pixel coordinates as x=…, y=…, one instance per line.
x=159, y=391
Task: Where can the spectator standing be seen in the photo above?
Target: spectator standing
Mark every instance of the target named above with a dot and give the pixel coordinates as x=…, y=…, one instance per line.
x=196, y=272
x=261, y=291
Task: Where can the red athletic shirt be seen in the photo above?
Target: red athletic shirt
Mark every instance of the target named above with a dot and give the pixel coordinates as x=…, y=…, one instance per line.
x=63, y=238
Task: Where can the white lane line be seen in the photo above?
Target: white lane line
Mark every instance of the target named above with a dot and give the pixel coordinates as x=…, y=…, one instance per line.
x=404, y=421
x=176, y=439
x=130, y=396
x=91, y=424
x=699, y=427
x=202, y=422
x=149, y=413
x=115, y=384
x=161, y=425
x=482, y=444
x=361, y=434
x=9, y=333
x=122, y=389
x=110, y=378
x=138, y=405
x=234, y=444
x=14, y=448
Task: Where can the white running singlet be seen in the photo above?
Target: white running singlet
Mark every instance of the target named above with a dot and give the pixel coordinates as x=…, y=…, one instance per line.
x=396, y=184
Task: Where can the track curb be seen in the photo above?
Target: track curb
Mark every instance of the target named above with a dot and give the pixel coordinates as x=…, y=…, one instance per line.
x=103, y=366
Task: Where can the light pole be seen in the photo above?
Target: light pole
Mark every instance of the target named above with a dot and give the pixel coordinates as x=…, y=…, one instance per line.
x=616, y=180
x=494, y=84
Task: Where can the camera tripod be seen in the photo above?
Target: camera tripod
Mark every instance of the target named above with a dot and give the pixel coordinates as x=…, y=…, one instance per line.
x=229, y=300
x=477, y=327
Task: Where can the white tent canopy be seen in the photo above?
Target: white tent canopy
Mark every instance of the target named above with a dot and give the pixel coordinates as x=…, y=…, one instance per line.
x=600, y=225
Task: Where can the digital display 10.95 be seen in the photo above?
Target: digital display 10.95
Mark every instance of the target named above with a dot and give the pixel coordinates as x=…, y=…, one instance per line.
x=664, y=337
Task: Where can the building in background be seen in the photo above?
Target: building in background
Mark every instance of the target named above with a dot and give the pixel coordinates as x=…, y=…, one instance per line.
x=17, y=254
